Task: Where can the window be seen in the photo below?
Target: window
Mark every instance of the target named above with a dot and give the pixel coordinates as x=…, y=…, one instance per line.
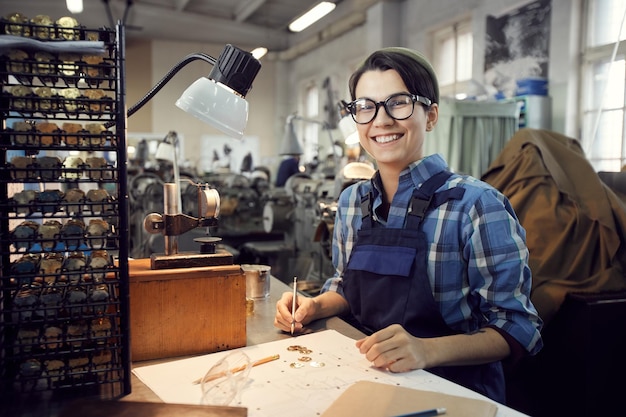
x=311, y=111
x=603, y=104
x=452, y=57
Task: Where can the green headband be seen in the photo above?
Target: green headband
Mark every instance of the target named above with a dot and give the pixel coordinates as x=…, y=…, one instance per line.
x=420, y=59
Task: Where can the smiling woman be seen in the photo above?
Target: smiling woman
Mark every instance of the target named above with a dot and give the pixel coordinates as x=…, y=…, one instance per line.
x=438, y=299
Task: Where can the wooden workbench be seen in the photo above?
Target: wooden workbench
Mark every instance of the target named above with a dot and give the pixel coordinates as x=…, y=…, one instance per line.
x=260, y=329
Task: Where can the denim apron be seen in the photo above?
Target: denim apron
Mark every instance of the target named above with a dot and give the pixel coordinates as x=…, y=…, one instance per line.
x=385, y=282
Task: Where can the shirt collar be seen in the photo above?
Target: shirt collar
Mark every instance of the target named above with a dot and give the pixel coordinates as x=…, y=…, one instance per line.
x=417, y=172
x=425, y=168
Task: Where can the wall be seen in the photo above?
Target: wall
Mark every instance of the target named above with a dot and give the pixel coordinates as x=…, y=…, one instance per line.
x=139, y=82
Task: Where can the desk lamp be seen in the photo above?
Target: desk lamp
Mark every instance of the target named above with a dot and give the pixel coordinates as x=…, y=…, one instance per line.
x=218, y=100
x=347, y=125
x=290, y=139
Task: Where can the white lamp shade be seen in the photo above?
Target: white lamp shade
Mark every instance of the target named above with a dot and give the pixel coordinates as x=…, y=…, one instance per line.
x=215, y=104
x=165, y=152
x=352, y=139
x=347, y=126
x=290, y=144
x=74, y=6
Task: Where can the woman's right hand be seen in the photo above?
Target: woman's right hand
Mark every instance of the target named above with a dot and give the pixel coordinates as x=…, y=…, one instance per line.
x=305, y=308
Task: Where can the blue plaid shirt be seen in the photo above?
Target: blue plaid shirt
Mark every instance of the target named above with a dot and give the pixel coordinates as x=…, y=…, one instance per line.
x=478, y=259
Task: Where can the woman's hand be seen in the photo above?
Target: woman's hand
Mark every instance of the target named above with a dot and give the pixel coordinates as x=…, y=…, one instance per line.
x=395, y=349
x=305, y=308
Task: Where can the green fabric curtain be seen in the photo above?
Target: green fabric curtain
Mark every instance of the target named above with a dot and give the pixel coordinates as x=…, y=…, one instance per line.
x=471, y=134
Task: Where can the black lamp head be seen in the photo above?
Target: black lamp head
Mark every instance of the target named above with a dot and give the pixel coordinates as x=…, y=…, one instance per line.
x=235, y=68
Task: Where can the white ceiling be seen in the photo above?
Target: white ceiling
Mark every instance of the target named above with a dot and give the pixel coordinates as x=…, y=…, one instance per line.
x=247, y=23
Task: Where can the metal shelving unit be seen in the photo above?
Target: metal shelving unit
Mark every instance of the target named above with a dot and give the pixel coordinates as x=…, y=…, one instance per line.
x=64, y=322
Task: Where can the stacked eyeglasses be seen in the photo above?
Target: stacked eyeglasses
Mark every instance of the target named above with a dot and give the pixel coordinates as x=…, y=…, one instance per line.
x=63, y=201
x=52, y=168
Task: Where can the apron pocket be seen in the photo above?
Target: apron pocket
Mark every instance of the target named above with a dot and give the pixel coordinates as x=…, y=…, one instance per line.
x=383, y=260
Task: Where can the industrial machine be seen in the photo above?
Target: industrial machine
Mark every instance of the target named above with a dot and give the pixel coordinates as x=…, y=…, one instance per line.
x=305, y=212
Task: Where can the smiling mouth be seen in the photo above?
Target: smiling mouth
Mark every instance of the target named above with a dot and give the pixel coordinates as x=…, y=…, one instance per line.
x=386, y=138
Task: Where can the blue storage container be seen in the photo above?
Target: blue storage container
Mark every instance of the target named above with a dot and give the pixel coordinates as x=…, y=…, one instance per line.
x=532, y=86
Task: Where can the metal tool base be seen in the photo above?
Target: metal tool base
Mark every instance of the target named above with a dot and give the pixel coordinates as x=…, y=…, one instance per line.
x=190, y=259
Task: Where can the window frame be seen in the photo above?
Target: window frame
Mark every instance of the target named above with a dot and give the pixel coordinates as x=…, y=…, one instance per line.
x=308, y=133
x=590, y=125
x=453, y=32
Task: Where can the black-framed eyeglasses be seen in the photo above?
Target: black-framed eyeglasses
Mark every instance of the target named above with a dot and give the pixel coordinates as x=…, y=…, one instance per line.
x=398, y=106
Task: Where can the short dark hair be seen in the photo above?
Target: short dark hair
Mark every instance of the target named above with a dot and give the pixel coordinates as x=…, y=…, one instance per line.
x=418, y=79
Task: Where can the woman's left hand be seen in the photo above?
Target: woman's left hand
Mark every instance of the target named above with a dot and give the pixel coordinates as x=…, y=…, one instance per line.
x=393, y=348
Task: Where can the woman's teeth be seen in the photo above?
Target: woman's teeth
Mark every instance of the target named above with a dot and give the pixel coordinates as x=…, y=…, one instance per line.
x=385, y=139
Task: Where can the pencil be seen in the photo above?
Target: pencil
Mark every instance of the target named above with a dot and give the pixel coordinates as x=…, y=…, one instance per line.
x=293, y=304
x=237, y=369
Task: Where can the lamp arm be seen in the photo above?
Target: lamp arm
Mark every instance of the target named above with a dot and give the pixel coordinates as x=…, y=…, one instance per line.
x=294, y=116
x=170, y=74
x=166, y=78
x=324, y=125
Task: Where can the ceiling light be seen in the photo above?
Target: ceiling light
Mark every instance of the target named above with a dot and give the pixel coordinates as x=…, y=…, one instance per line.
x=259, y=52
x=312, y=16
x=74, y=6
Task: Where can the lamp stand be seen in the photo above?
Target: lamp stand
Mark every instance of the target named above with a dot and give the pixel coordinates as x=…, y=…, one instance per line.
x=172, y=223
x=191, y=259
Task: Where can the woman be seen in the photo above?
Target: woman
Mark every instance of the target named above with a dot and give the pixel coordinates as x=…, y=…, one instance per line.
x=431, y=265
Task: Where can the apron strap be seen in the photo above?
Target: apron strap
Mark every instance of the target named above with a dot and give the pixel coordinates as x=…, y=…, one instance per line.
x=366, y=210
x=425, y=198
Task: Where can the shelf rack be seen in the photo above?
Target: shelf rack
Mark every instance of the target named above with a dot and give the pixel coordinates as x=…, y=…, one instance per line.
x=64, y=227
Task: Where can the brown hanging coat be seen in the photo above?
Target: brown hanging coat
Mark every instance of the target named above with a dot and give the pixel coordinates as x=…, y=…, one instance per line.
x=575, y=225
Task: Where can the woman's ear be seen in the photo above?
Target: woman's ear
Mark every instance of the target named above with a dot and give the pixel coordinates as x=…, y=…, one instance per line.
x=432, y=115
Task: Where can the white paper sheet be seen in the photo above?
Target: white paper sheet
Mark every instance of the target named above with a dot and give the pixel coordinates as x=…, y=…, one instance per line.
x=277, y=389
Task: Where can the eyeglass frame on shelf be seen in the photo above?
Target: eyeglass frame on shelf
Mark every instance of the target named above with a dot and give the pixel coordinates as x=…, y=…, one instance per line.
x=351, y=107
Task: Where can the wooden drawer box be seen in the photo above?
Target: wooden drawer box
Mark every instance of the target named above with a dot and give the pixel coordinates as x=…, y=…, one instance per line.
x=185, y=311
